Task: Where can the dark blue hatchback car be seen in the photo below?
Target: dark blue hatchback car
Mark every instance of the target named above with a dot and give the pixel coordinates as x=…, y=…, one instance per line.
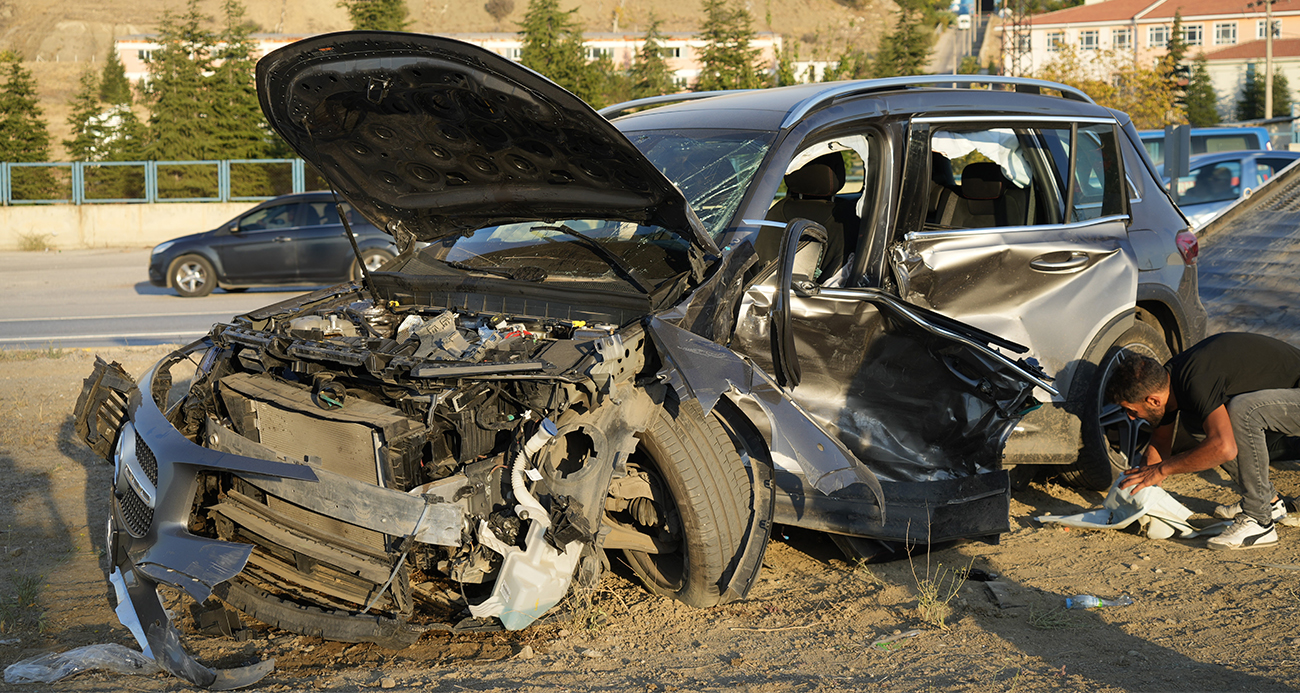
x=292, y=239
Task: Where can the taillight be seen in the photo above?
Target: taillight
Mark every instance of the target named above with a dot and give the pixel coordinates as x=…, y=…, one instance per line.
x=1188, y=246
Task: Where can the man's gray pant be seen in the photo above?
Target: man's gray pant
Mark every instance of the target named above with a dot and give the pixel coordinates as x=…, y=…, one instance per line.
x=1253, y=415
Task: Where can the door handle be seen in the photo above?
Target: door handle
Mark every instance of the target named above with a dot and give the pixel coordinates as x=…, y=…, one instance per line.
x=282, y=239
x=1060, y=262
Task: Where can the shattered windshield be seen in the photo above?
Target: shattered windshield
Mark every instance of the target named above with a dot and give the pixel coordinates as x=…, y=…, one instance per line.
x=574, y=250
x=713, y=168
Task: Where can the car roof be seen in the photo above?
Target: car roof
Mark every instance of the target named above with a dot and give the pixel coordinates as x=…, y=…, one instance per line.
x=1213, y=157
x=781, y=107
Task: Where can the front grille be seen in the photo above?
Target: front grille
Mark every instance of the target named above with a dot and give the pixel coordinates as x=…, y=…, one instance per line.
x=147, y=461
x=134, y=513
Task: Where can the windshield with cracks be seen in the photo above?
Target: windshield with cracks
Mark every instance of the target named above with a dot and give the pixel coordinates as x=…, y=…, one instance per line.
x=713, y=168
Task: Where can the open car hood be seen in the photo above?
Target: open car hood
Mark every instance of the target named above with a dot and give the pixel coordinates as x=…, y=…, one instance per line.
x=433, y=137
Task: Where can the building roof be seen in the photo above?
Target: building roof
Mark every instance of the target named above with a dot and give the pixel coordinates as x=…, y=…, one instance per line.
x=1254, y=50
x=1112, y=11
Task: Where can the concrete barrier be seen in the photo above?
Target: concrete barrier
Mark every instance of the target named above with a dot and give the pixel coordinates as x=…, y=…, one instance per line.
x=68, y=227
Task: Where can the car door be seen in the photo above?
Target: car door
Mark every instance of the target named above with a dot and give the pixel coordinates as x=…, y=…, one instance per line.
x=260, y=247
x=1020, y=228
x=909, y=398
x=323, y=250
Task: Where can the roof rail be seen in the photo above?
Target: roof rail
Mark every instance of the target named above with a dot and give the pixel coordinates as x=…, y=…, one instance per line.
x=618, y=109
x=1022, y=84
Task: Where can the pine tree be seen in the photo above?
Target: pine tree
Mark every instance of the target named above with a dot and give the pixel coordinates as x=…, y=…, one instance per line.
x=24, y=135
x=905, y=50
x=1250, y=105
x=650, y=74
x=729, y=59
x=853, y=64
x=242, y=130
x=84, y=121
x=114, y=87
x=553, y=46
x=499, y=10
x=784, y=74
x=376, y=15
x=181, y=122
x=1172, y=65
x=1200, y=100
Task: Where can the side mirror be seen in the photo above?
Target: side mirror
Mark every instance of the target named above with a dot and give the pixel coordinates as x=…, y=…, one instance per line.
x=796, y=273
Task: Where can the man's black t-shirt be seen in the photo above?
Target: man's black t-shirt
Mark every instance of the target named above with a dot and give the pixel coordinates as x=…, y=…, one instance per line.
x=1220, y=367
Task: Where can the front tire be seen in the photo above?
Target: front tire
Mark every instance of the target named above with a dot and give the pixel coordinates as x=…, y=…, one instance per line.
x=1109, y=435
x=192, y=276
x=701, y=507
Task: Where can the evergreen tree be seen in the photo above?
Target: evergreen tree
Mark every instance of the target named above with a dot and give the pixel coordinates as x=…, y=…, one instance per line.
x=114, y=87
x=728, y=59
x=1172, y=65
x=553, y=46
x=905, y=50
x=84, y=121
x=243, y=132
x=376, y=15
x=1200, y=100
x=1250, y=105
x=181, y=122
x=24, y=135
x=499, y=10
x=650, y=74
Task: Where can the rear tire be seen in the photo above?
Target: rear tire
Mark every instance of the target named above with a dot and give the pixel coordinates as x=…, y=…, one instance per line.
x=704, y=509
x=1101, y=460
x=374, y=259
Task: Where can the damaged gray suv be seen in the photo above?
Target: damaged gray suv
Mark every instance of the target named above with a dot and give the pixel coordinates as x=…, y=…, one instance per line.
x=655, y=339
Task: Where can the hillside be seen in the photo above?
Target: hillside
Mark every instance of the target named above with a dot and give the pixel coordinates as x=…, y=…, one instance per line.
x=61, y=39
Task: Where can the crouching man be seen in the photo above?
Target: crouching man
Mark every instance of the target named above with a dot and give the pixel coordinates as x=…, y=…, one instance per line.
x=1233, y=388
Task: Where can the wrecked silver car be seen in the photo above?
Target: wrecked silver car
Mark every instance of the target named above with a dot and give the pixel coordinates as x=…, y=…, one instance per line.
x=562, y=362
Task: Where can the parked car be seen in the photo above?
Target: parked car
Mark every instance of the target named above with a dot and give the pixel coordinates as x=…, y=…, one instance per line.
x=1208, y=141
x=292, y=239
x=653, y=338
x=1219, y=180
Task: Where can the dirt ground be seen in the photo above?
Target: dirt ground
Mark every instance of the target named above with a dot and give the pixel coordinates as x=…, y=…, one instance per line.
x=1202, y=620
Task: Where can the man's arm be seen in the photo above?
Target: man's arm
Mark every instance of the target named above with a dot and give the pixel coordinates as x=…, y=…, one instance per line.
x=1218, y=447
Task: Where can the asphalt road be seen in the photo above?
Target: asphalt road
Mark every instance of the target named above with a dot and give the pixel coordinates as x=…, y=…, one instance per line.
x=97, y=298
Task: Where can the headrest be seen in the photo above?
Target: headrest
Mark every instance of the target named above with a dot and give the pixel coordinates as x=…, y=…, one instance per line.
x=941, y=170
x=982, y=180
x=821, y=177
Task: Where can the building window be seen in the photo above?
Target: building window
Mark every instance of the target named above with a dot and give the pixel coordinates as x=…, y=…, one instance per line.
x=1121, y=39
x=1157, y=36
x=1090, y=40
x=1194, y=34
x=1054, y=40
x=598, y=53
x=670, y=52
x=1259, y=28
x=513, y=53
x=144, y=55
x=1225, y=33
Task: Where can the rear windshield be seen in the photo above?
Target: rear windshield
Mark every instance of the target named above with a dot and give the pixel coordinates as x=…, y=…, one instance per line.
x=713, y=168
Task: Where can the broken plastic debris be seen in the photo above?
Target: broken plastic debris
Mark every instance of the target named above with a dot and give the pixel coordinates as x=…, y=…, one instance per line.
x=55, y=666
x=885, y=640
x=1087, y=601
x=1157, y=513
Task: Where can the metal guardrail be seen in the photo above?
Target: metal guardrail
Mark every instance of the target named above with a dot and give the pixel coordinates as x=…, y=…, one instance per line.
x=144, y=182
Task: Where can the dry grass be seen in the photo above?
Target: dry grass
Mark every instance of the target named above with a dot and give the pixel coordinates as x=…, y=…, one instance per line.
x=49, y=352
x=20, y=611
x=35, y=242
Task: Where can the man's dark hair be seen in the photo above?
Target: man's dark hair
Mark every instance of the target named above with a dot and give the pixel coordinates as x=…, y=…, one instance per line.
x=1135, y=377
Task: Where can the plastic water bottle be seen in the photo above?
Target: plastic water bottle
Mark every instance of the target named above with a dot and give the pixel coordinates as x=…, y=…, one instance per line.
x=1087, y=601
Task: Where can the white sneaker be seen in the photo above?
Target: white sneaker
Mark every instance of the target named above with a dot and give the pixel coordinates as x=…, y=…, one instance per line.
x=1245, y=533
x=1228, y=512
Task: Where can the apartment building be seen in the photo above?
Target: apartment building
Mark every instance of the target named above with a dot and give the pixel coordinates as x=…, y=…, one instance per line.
x=1229, y=32
x=682, y=51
